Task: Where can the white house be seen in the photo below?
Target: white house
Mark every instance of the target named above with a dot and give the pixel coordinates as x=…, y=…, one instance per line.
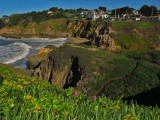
x=84, y=14
x=135, y=12
x=50, y=12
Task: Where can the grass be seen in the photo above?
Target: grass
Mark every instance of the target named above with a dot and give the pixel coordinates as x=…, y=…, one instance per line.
x=131, y=24
x=22, y=97
x=102, y=66
x=152, y=56
x=129, y=41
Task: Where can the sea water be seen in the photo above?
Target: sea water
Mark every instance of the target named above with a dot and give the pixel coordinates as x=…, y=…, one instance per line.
x=15, y=52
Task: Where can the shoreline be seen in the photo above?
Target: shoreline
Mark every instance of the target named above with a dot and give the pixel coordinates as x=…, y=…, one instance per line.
x=29, y=72
x=68, y=39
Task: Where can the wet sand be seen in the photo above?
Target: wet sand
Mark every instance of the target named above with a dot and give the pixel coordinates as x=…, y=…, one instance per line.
x=78, y=40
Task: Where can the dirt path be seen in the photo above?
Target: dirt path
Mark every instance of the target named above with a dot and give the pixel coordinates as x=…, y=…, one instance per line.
x=92, y=49
x=113, y=79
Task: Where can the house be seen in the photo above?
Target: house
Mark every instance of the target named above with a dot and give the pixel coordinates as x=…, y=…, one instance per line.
x=84, y=14
x=50, y=12
x=6, y=19
x=135, y=12
x=93, y=15
x=136, y=18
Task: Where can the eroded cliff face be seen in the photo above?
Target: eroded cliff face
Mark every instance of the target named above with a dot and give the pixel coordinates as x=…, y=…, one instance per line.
x=101, y=34
x=70, y=76
x=93, y=71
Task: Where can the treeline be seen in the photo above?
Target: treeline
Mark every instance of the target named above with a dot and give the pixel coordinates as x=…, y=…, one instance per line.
x=40, y=16
x=144, y=10
x=68, y=13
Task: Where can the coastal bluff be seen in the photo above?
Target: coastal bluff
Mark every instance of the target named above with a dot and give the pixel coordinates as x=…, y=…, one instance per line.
x=110, y=35
x=94, y=71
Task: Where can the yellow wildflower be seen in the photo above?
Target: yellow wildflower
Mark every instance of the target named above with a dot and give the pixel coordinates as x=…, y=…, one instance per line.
x=20, y=80
x=6, y=82
x=132, y=118
x=28, y=97
x=19, y=87
x=14, y=85
x=127, y=116
x=5, y=93
x=4, y=76
x=111, y=108
x=10, y=84
x=33, y=79
x=37, y=111
x=117, y=107
x=14, y=82
x=37, y=107
x=25, y=83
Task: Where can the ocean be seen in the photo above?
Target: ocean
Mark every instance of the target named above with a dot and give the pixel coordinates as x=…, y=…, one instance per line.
x=15, y=52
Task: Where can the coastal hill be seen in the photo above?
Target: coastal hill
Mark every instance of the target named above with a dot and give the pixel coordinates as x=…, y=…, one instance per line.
x=22, y=97
x=95, y=71
x=111, y=35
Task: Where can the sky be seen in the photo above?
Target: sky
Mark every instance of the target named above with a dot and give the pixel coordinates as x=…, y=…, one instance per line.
x=8, y=7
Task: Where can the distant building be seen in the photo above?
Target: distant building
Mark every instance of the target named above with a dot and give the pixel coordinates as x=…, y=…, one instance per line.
x=135, y=12
x=93, y=14
x=50, y=12
x=6, y=19
x=136, y=18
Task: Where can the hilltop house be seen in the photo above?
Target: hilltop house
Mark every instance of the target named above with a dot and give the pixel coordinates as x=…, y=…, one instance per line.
x=6, y=19
x=93, y=14
x=50, y=12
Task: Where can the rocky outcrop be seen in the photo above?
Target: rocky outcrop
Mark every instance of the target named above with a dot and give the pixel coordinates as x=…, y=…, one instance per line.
x=101, y=34
x=35, y=60
x=93, y=71
x=101, y=37
x=70, y=76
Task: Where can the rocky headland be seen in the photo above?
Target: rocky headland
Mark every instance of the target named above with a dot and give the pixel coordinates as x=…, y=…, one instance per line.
x=112, y=36
x=95, y=71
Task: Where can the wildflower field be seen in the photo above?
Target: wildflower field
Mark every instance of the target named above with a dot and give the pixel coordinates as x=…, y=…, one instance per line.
x=25, y=98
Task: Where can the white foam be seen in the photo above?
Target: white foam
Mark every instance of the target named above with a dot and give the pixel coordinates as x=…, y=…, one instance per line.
x=36, y=39
x=26, y=49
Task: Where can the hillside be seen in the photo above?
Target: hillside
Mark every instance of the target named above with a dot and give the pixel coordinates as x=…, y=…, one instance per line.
x=22, y=97
x=95, y=71
x=112, y=35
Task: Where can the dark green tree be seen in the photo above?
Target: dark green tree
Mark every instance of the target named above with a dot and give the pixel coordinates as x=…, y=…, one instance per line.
x=123, y=10
x=60, y=10
x=102, y=8
x=1, y=23
x=153, y=10
x=55, y=9
x=80, y=10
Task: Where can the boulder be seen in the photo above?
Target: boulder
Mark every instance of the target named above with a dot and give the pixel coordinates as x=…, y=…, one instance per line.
x=35, y=60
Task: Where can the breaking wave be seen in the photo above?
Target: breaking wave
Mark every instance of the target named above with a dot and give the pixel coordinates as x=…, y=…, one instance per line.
x=23, y=52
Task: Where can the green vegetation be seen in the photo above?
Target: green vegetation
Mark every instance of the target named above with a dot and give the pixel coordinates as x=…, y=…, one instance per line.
x=152, y=56
x=148, y=11
x=1, y=23
x=129, y=25
x=143, y=78
x=103, y=66
x=129, y=41
x=22, y=97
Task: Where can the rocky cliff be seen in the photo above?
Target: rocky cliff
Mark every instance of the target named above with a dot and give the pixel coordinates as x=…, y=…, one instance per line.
x=109, y=35
x=94, y=71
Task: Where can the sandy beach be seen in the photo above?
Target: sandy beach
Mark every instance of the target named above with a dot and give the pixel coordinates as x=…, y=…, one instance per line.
x=78, y=40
